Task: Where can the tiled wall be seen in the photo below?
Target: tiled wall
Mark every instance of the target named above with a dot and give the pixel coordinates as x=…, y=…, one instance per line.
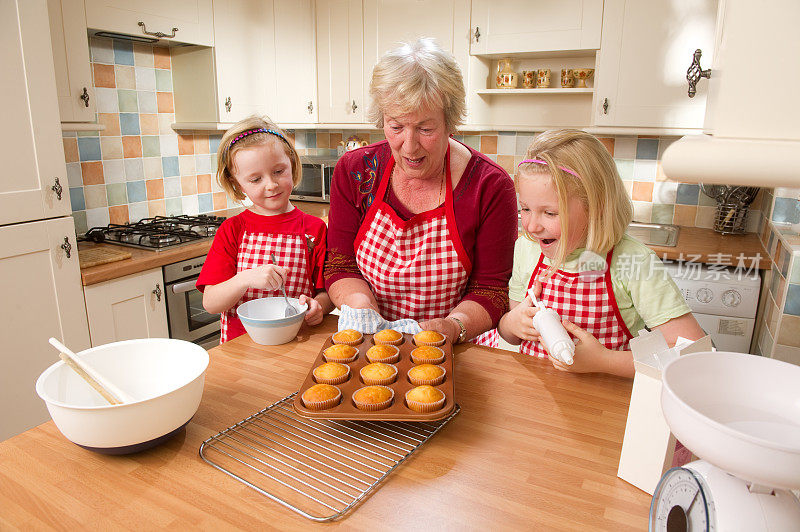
x=778, y=332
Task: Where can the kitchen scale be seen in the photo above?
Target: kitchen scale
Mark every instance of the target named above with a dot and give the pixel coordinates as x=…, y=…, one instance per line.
x=740, y=414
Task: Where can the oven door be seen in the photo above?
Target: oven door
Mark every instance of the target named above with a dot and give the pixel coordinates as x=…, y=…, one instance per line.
x=187, y=318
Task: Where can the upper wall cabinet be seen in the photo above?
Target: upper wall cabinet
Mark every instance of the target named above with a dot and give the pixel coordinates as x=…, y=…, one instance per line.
x=641, y=67
x=295, y=62
x=182, y=21
x=76, y=101
x=340, y=61
x=529, y=26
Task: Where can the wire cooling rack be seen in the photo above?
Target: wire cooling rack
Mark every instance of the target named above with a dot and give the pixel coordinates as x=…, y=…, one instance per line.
x=317, y=468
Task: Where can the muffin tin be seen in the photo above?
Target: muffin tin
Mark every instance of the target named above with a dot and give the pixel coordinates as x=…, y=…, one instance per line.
x=398, y=411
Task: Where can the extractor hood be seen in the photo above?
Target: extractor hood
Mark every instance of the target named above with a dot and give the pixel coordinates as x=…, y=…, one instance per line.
x=752, y=121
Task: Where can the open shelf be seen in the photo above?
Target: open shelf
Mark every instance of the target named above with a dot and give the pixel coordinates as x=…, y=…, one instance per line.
x=587, y=90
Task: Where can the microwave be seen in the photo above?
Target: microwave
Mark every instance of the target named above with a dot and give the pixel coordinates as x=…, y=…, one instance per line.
x=316, y=182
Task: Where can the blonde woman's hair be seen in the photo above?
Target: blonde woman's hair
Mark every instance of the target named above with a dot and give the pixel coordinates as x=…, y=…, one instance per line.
x=599, y=186
x=416, y=75
x=228, y=147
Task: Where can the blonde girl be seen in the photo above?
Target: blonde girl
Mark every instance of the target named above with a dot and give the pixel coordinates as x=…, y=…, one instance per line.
x=574, y=252
x=257, y=161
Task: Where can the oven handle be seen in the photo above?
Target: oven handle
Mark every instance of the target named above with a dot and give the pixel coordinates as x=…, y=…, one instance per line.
x=185, y=286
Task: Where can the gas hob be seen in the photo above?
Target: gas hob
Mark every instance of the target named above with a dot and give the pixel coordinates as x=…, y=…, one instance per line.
x=160, y=232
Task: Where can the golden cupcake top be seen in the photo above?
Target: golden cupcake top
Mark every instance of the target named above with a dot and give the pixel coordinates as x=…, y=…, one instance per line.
x=347, y=335
x=373, y=394
x=429, y=337
x=320, y=392
x=377, y=352
x=425, y=371
x=330, y=370
x=424, y=394
x=387, y=335
x=378, y=370
x=340, y=351
x=427, y=352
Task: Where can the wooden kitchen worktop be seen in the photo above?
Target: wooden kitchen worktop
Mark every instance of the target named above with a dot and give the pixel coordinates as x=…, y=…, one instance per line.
x=531, y=448
x=709, y=247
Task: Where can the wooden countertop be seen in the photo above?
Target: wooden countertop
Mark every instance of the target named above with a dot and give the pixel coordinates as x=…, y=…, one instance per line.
x=531, y=448
x=709, y=247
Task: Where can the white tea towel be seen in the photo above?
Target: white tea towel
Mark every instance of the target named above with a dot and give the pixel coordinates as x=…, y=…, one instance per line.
x=368, y=321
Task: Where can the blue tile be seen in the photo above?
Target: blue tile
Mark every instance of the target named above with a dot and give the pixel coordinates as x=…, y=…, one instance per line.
x=793, y=300
x=136, y=191
x=170, y=166
x=686, y=194
x=786, y=210
x=76, y=199
x=129, y=123
x=311, y=139
x=775, y=284
x=783, y=263
x=647, y=149
x=204, y=203
x=213, y=141
x=89, y=148
x=123, y=52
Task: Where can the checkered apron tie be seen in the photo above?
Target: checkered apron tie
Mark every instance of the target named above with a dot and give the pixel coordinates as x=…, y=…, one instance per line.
x=290, y=252
x=416, y=268
x=588, y=302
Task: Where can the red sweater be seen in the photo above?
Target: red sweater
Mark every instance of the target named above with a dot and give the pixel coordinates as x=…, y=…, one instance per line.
x=485, y=208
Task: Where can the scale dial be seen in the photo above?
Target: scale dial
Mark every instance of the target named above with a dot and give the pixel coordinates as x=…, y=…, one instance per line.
x=731, y=298
x=681, y=502
x=704, y=295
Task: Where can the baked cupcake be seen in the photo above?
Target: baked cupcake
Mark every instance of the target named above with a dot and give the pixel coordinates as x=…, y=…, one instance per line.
x=429, y=338
x=388, y=336
x=378, y=373
x=347, y=337
x=426, y=374
x=341, y=353
x=373, y=398
x=427, y=354
x=424, y=399
x=388, y=354
x=321, y=396
x=331, y=373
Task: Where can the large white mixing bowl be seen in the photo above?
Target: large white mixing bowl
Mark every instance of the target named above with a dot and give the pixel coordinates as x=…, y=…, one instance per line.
x=738, y=412
x=264, y=320
x=164, y=376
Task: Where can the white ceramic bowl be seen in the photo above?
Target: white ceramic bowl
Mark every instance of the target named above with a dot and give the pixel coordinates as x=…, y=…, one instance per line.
x=264, y=320
x=738, y=412
x=164, y=376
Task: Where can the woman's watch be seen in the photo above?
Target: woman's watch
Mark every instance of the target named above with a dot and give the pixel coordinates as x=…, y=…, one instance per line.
x=462, y=335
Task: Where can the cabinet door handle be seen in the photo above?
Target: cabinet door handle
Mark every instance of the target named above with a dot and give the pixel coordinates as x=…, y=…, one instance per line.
x=157, y=34
x=228, y=104
x=605, y=106
x=695, y=73
x=354, y=106
x=58, y=189
x=310, y=108
x=67, y=247
x=85, y=97
x=477, y=34
x=157, y=292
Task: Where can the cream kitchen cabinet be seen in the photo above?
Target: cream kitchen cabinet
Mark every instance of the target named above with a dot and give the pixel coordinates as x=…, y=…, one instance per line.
x=180, y=21
x=42, y=297
x=529, y=26
x=295, y=62
x=34, y=183
x=340, y=61
x=646, y=50
x=74, y=86
x=130, y=307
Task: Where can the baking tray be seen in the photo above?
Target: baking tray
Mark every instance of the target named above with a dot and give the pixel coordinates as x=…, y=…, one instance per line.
x=398, y=411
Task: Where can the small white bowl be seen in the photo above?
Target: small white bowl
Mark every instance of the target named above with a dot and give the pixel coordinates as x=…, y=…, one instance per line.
x=264, y=320
x=164, y=376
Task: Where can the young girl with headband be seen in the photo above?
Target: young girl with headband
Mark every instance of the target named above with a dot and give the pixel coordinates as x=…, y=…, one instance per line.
x=574, y=253
x=256, y=160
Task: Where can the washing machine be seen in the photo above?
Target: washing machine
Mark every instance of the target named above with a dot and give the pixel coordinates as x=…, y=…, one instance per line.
x=724, y=300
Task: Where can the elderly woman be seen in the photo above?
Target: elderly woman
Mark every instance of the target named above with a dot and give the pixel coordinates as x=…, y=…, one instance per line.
x=421, y=226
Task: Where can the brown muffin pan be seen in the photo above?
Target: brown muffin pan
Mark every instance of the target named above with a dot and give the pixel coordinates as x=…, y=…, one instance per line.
x=398, y=411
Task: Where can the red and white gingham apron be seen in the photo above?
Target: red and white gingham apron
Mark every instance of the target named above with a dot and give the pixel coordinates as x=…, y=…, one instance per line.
x=291, y=252
x=588, y=302
x=417, y=268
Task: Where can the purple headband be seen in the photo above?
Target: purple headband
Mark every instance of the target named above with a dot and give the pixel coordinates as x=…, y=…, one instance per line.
x=252, y=131
x=539, y=161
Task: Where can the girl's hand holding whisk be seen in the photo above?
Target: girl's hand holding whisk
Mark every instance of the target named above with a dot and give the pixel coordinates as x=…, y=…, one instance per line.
x=267, y=277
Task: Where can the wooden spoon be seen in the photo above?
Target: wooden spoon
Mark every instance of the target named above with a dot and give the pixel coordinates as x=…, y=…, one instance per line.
x=109, y=391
